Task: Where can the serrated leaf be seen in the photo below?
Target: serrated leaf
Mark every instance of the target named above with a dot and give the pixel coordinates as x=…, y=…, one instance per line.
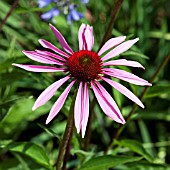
x=135, y=146
x=107, y=161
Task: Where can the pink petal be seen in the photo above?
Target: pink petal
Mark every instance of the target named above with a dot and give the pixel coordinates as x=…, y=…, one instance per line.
x=49, y=92
x=122, y=89
x=111, y=43
x=105, y=104
x=78, y=108
x=120, y=49
x=50, y=46
x=61, y=39
x=126, y=76
x=35, y=68
x=59, y=103
x=123, y=62
x=85, y=110
x=47, y=53
x=89, y=38
x=81, y=37
x=110, y=101
x=41, y=58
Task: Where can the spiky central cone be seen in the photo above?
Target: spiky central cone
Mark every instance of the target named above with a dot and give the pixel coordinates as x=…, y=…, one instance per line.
x=84, y=65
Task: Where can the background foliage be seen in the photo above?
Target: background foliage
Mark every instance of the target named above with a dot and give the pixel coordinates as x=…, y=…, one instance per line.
x=26, y=143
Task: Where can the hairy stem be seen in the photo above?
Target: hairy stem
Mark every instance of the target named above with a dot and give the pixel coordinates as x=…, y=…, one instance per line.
x=8, y=14
x=116, y=7
x=67, y=135
x=121, y=127
x=67, y=150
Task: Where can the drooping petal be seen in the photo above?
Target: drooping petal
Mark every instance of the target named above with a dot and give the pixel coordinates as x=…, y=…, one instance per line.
x=120, y=49
x=110, y=101
x=47, y=53
x=61, y=40
x=85, y=110
x=50, y=46
x=111, y=43
x=126, y=76
x=122, y=89
x=81, y=37
x=41, y=58
x=59, y=103
x=123, y=62
x=49, y=92
x=89, y=38
x=78, y=108
x=35, y=68
x=106, y=105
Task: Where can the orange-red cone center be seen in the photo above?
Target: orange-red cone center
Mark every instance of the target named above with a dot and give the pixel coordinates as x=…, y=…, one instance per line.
x=84, y=65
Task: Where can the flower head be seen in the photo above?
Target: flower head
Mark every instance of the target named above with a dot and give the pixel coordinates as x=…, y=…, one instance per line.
x=85, y=67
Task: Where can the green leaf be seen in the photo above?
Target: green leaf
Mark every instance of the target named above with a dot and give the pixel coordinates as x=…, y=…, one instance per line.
x=107, y=161
x=81, y=152
x=146, y=136
x=134, y=53
x=136, y=147
x=147, y=166
x=19, y=114
x=150, y=115
x=157, y=90
x=31, y=150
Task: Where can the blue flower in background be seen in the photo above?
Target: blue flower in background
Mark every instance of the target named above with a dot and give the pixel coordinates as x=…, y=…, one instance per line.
x=50, y=14
x=44, y=3
x=62, y=7
x=84, y=1
x=73, y=14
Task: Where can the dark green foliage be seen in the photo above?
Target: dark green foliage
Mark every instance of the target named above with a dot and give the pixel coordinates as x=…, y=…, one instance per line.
x=26, y=143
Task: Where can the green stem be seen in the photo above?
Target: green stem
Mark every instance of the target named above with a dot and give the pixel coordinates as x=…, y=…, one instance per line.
x=116, y=7
x=67, y=135
x=8, y=14
x=121, y=127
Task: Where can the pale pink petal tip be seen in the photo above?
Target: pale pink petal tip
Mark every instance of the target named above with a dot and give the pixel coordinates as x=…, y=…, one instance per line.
x=149, y=84
x=14, y=64
x=59, y=103
x=61, y=39
x=120, y=49
x=34, y=108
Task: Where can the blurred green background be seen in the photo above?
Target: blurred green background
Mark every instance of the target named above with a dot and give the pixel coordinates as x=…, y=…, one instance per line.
x=145, y=139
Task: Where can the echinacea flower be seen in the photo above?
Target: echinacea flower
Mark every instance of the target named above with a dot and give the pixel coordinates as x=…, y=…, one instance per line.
x=85, y=67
